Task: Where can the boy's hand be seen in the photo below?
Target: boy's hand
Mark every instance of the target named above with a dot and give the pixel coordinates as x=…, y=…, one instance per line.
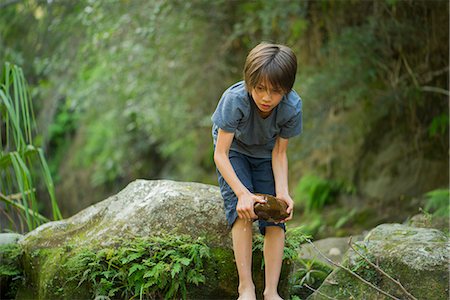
x=290, y=204
x=245, y=205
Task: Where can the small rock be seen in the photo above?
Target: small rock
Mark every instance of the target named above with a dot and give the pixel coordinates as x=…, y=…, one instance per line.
x=274, y=210
x=334, y=252
x=9, y=238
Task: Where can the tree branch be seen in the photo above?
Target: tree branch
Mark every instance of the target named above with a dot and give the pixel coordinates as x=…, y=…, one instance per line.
x=435, y=90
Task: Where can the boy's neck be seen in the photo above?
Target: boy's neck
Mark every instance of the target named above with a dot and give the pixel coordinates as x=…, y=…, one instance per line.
x=263, y=114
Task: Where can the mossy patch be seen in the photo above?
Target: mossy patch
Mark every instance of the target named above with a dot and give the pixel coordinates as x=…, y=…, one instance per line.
x=11, y=273
x=169, y=265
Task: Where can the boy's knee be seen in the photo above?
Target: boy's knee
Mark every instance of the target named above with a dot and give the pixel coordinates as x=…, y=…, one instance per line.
x=242, y=223
x=263, y=225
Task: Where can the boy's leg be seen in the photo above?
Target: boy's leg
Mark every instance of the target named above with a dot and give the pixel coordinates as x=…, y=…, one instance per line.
x=241, y=229
x=263, y=182
x=273, y=258
x=242, y=247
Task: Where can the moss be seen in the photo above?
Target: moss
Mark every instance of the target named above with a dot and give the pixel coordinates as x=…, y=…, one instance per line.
x=431, y=281
x=423, y=284
x=47, y=273
x=47, y=276
x=44, y=276
x=11, y=272
x=221, y=276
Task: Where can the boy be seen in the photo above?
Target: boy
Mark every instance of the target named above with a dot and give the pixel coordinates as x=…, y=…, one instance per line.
x=252, y=124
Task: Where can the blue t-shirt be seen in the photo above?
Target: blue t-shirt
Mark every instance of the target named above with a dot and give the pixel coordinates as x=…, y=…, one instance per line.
x=253, y=135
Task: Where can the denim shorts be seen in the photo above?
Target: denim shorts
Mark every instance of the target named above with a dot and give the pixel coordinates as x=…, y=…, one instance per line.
x=257, y=176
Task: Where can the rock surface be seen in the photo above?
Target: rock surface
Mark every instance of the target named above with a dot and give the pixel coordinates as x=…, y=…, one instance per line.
x=143, y=208
x=9, y=238
x=429, y=221
x=417, y=257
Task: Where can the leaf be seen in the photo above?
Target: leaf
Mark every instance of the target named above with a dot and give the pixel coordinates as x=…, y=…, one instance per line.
x=134, y=268
x=155, y=271
x=185, y=261
x=132, y=257
x=176, y=269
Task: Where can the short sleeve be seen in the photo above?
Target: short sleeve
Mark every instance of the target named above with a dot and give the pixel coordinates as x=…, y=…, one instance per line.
x=229, y=112
x=294, y=125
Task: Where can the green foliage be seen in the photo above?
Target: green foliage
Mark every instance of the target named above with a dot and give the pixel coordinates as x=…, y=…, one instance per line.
x=311, y=273
x=313, y=222
x=60, y=130
x=144, y=77
x=267, y=20
x=361, y=267
x=20, y=160
x=150, y=268
x=314, y=192
x=345, y=218
x=438, y=202
x=294, y=238
x=11, y=272
x=439, y=125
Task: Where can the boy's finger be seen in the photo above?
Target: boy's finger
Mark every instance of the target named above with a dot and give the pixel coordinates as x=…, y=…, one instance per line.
x=288, y=218
x=259, y=199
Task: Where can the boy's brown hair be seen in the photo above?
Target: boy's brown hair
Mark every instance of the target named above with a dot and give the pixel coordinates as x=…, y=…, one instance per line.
x=274, y=63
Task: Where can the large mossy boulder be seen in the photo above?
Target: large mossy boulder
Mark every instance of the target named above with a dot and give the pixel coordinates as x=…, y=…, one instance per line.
x=417, y=257
x=144, y=208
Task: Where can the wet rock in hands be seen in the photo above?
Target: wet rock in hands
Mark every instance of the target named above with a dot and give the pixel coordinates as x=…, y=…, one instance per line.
x=274, y=210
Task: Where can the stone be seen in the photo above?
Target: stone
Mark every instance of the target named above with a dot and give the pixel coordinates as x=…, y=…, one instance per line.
x=274, y=210
x=417, y=257
x=429, y=221
x=9, y=238
x=144, y=208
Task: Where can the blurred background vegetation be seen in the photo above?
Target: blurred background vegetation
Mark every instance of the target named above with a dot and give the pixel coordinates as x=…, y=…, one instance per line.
x=125, y=89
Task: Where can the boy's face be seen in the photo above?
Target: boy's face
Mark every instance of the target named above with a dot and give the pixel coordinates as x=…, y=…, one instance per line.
x=266, y=97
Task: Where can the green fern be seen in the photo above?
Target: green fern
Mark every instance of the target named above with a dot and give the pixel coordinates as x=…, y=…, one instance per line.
x=153, y=267
x=294, y=238
x=438, y=202
x=314, y=192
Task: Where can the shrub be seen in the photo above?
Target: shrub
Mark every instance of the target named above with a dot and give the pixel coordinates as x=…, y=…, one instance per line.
x=152, y=267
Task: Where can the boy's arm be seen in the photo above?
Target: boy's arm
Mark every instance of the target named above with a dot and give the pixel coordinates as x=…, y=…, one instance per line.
x=246, y=199
x=280, y=173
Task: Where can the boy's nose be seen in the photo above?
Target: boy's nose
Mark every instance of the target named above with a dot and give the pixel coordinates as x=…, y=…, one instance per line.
x=267, y=95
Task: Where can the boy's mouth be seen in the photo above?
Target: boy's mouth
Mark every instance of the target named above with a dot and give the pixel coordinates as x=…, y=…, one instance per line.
x=265, y=106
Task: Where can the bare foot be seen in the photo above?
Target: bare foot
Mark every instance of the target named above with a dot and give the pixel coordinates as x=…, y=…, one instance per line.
x=247, y=293
x=272, y=296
